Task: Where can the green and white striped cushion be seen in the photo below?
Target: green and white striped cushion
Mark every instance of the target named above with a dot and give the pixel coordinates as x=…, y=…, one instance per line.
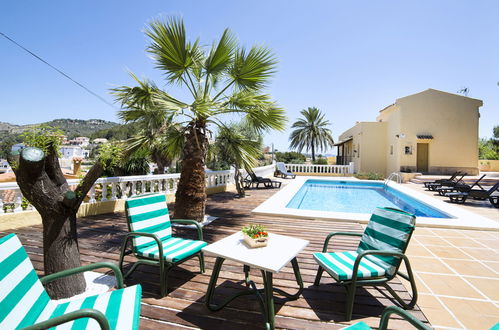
x=22, y=296
x=24, y=301
x=149, y=214
x=121, y=308
x=340, y=265
x=174, y=249
x=388, y=229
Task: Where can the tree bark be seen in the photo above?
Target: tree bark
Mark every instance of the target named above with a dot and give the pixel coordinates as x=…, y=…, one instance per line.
x=239, y=185
x=190, y=198
x=41, y=182
x=313, y=150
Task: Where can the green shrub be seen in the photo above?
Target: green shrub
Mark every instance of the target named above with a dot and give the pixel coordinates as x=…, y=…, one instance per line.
x=290, y=157
x=369, y=176
x=320, y=161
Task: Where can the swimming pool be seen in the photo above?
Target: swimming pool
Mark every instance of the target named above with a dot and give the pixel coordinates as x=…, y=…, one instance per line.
x=291, y=202
x=357, y=197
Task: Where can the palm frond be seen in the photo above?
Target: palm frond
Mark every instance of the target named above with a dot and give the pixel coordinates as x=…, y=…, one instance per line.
x=220, y=57
x=170, y=49
x=252, y=70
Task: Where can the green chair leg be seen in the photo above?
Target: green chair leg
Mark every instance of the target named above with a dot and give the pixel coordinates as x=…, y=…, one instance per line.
x=318, y=276
x=350, y=301
x=201, y=262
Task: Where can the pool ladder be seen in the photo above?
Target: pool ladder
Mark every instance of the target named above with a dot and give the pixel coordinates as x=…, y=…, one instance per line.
x=391, y=176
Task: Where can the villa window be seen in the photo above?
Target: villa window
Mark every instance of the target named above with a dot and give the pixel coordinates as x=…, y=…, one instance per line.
x=391, y=150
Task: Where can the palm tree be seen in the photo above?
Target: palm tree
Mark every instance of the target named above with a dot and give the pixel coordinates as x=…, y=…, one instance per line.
x=224, y=79
x=311, y=132
x=155, y=135
x=239, y=146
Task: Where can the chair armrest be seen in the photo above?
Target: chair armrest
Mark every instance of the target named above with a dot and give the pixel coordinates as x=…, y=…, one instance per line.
x=138, y=233
x=379, y=253
x=71, y=316
x=97, y=265
x=338, y=233
x=385, y=316
x=191, y=222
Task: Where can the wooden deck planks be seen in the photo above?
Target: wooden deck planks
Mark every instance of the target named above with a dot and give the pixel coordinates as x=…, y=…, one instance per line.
x=100, y=238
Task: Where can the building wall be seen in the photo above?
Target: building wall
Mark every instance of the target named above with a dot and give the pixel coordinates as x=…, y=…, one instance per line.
x=451, y=119
x=372, y=150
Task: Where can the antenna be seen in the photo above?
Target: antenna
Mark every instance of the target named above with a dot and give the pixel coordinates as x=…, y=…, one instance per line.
x=464, y=91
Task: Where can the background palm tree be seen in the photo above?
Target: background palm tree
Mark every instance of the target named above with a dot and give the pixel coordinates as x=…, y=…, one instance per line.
x=311, y=132
x=162, y=139
x=224, y=79
x=239, y=146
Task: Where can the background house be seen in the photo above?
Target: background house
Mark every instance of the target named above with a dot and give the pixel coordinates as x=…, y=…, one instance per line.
x=429, y=132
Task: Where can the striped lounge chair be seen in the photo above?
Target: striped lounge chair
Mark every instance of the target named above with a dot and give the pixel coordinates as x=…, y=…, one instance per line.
x=24, y=303
x=152, y=240
x=377, y=258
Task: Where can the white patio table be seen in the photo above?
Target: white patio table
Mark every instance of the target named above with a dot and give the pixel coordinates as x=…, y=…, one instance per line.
x=270, y=259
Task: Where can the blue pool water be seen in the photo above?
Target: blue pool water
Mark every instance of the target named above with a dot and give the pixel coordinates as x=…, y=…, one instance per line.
x=357, y=197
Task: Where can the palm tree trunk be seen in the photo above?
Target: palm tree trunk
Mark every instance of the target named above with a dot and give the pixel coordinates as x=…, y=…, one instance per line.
x=239, y=185
x=190, y=198
x=313, y=150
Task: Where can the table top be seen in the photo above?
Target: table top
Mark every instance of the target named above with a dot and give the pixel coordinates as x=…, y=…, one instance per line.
x=280, y=250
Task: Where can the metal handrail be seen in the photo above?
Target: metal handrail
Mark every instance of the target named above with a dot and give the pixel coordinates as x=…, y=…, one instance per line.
x=390, y=177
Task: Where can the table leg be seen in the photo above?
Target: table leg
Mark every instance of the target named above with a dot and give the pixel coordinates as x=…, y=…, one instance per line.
x=299, y=281
x=246, y=275
x=266, y=303
x=212, y=284
x=269, y=299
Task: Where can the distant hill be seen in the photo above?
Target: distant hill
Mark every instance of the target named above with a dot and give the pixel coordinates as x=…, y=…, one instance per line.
x=71, y=127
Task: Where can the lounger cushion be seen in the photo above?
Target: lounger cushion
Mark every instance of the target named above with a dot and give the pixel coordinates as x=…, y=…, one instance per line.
x=24, y=301
x=174, y=249
x=340, y=265
x=121, y=308
x=358, y=326
x=388, y=230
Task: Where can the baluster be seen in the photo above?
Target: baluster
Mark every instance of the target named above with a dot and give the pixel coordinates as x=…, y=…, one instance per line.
x=134, y=188
x=104, y=192
x=142, y=186
x=113, y=191
x=123, y=190
x=92, y=194
x=1, y=201
x=17, y=202
x=175, y=185
x=160, y=185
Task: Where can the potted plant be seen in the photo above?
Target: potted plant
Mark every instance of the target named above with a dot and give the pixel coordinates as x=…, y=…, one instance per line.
x=255, y=236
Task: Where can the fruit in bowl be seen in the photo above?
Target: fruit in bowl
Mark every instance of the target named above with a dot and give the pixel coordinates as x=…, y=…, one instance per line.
x=255, y=236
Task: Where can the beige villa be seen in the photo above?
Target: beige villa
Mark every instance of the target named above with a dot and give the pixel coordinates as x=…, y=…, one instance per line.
x=429, y=132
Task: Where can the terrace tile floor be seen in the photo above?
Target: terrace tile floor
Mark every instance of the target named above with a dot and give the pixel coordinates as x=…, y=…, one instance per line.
x=318, y=307
x=458, y=271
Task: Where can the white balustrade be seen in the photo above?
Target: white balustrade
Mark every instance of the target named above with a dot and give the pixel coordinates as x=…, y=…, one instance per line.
x=113, y=188
x=323, y=169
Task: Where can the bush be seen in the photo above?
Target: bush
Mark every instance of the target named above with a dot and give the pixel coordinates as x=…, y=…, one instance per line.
x=290, y=157
x=320, y=161
x=369, y=176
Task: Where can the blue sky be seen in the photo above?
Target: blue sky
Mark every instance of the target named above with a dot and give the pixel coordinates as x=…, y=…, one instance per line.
x=348, y=58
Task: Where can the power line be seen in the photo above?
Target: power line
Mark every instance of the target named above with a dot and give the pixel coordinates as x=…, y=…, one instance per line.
x=56, y=69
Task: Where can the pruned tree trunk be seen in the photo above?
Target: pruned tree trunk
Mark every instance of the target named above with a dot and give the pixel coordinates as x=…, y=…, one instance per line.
x=190, y=198
x=42, y=182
